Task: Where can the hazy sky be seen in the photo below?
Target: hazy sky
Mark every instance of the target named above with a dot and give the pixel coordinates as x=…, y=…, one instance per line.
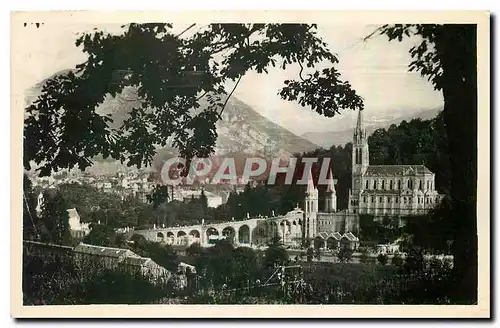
x=377, y=70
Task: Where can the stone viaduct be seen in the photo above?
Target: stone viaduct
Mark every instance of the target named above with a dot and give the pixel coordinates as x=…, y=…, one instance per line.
x=251, y=232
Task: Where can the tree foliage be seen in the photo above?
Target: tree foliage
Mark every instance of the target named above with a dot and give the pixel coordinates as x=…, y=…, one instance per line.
x=382, y=259
x=275, y=254
x=447, y=56
x=170, y=74
x=101, y=235
x=55, y=218
x=30, y=218
x=344, y=254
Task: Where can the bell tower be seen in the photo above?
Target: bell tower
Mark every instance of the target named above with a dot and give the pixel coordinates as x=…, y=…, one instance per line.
x=311, y=209
x=360, y=162
x=331, y=195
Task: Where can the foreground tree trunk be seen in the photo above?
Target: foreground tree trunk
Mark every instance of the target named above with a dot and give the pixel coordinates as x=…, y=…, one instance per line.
x=456, y=46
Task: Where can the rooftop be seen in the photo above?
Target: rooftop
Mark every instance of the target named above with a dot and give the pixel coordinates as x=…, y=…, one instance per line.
x=396, y=170
x=103, y=251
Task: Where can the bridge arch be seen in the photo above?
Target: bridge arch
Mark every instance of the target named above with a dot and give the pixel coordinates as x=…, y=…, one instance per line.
x=244, y=234
x=181, y=237
x=212, y=235
x=273, y=229
x=160, y=237
x=229, y=233
x=260, y=235
x=195, y=233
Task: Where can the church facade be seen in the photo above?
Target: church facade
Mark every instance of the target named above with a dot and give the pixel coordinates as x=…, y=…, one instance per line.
x=378, y=190
x=388, y=190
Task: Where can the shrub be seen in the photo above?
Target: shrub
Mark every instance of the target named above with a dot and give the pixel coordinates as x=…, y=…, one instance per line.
x=363, y=258
x=344, y=255
x=310, y=254
x=382, y=258
x=397, y=261
x=414, y=260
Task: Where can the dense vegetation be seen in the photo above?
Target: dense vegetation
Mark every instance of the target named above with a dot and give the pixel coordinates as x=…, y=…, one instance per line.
x=226, y=274
x=57, y=280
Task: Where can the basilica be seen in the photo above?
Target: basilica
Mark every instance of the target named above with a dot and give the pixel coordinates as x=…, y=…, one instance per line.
x=378, y=190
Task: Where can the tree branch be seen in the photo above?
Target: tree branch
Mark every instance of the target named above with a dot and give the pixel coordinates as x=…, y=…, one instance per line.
x=202, y=95
x=301, y=70
x=230, y=94
x=366, y=38
x=187, y=29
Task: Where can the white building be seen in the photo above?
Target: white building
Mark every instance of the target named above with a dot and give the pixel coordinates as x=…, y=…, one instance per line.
x=77, y=228
x=388, y=190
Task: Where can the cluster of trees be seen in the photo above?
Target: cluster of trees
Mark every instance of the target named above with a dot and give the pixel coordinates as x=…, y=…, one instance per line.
x=51, y=225
x=95, y=205
x=432, y=231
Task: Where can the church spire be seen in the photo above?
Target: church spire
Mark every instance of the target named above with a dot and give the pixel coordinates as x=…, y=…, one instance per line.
x=310, y=182
x=331, y=185
x=359, y=124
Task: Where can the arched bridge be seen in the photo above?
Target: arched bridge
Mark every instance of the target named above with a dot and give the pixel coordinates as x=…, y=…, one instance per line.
x=251, y=232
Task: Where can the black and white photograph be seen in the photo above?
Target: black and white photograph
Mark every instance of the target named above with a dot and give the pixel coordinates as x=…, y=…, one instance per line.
x=242, y=159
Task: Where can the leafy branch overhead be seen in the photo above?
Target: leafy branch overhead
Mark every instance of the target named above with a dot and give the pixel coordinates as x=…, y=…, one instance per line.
x=170, y=73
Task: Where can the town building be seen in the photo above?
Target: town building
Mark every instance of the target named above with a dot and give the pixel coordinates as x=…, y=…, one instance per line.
x=77, y=228
x=119, y=258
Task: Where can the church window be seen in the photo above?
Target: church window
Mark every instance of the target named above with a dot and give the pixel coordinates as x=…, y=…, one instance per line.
x=373, y=199
x=388, y=199
x=366, y=184
x=427, y=184
x=404, y=200
x=390, y=184
x=381, y=199
x=397, y=199
x=383, y=184
x=375, y=184
x=358, y=156
x=420, y=185
x=399, y=184
x=364, y=199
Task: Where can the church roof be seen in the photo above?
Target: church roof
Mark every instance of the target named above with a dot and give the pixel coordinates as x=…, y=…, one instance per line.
x=325, y=235
x=380, y=192
x=349, y=235
x=72, y=212
x=396, y=170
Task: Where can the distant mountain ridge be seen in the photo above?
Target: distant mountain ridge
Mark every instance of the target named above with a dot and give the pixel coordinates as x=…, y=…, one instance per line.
x=241, y=130
x=340, y=137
